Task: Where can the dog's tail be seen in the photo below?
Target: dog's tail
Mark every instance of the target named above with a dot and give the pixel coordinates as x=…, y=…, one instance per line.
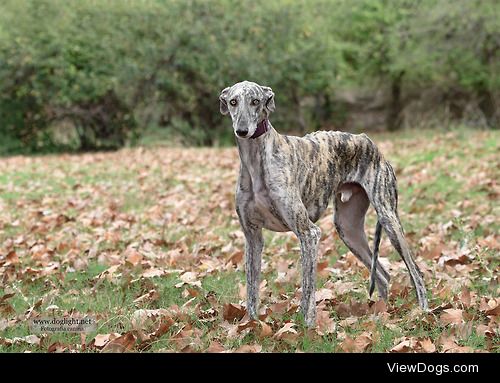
x=376, y=245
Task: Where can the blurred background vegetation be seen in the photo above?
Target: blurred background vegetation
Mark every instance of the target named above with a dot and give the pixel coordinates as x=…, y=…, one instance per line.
x=102, y=74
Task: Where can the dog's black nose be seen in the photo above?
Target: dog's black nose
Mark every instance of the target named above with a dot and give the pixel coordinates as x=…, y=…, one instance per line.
x=241, y=133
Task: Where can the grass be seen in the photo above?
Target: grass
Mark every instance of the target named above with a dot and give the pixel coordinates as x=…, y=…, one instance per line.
x=176, y=210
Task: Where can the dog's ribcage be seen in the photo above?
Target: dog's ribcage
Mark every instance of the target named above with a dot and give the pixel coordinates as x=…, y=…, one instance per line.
x=325, y=160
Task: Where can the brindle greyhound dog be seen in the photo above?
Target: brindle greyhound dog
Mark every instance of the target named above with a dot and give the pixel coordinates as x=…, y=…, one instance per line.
x=286, y=183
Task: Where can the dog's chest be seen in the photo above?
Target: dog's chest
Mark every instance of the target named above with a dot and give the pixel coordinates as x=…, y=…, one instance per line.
x=266, y=207
x=262, y=202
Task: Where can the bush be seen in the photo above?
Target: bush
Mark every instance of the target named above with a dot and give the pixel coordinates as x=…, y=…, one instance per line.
x=96, y=74
x=60, y=63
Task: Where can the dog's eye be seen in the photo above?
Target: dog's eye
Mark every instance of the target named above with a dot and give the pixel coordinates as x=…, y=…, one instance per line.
x=233, y=102
x=255, y=102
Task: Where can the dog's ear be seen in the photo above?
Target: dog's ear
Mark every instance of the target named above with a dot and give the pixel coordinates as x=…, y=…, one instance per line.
x=223, y=101
x=269, y=98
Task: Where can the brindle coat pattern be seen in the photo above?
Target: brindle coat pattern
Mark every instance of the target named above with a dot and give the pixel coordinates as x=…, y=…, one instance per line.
x=286, y=183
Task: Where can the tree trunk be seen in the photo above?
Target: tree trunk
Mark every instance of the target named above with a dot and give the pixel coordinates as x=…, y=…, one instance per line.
x=394, y=118
x=301, y=122
x=488, y=107
x=322, y=110
x=486, y=98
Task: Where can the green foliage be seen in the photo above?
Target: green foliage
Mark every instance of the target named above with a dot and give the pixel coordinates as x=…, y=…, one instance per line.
x=86, y=74
x=452, y=43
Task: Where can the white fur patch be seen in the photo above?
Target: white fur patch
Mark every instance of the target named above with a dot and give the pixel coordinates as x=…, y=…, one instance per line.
x=345, y=195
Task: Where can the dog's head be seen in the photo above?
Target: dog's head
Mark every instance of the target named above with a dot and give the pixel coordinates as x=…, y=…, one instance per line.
x=248, y=104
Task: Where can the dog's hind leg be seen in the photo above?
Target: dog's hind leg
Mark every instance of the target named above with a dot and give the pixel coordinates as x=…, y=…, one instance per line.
x=385, y=204
x=392, y=226
x=350, y=210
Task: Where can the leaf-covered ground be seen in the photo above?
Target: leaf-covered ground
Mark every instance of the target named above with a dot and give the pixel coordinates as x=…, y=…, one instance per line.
x=147, y=241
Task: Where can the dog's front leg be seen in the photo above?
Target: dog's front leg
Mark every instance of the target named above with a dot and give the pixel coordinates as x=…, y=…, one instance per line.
x=251, y=224
x=309, y=239
x=297, y=219
x=253, y=256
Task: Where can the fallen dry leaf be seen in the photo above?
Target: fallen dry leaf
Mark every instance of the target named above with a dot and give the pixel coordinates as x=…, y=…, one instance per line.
x=247, y=324
x=449, y=344
x=6, y=308
x=451, y=316
x=484, y=330
x=427, y=345
x=189, y=278
x=265, y=330
x=324, y=294
x=215, y=347
x=12, y=258
x=379, y=307
x=287, y=332
x=249, y=348
x=324, y=324
x=133, y=257
x=490, y=306
x=123, y=343
x=57, y=347
x=233, y=312
x=150, y=296
x=405, y=345
x=359, y=344
x=101, y=340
